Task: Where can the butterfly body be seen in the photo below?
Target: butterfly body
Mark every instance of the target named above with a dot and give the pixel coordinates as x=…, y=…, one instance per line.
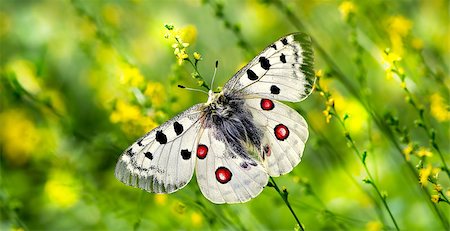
x=238, y=138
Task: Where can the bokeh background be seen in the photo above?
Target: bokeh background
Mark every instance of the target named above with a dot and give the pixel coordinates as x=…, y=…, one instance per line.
x=82, y=80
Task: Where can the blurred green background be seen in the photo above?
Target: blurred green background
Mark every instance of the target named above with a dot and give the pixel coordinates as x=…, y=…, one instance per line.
x=82, y=80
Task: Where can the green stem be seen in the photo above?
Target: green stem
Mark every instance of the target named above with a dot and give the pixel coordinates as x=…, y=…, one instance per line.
x=284, y=196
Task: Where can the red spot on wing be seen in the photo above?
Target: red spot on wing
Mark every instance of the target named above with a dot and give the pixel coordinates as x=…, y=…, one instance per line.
x=281, y=132
x=267, y=104
x=202, y=151
x=223, y=175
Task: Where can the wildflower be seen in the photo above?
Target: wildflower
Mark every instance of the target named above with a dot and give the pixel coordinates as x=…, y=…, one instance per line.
x=129, y=75
x=156, y=93
x=439, y=109
x=347, y=8
x=111, y=14
x=424, y=152
x=408, y=150
x=197, y=219
x=62, y=189
x=160, y=199
x=197, y=56
x=398, y=28
x=435, y=172
x=374, y=226
x=19, y=136
x=327, y=114
x=438, y=187
x=424, y=173
x=131, y=119
x=435, y=198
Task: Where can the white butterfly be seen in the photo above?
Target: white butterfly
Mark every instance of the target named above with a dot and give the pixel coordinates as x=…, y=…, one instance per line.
x=238, y=138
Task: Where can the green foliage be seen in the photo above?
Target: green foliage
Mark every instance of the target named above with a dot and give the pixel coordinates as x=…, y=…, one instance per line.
x=81, y=80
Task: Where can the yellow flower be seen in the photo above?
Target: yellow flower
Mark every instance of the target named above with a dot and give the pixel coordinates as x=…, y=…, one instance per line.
x=156, y=93
x=62, y=189
x=424, y=152
x=188, y=33
x=197, y=219
x=408, y=150
x=111, y=14
x=160, y=199
x=435, y=198
x=347, y=8
x=18, y=136
x=399, y=25
x=424, y=173
x=398, y=28
x=197, y=56
x=130, y=75
x=438, y=187
x=131, y=119
x=374, y=226
x=435, y=172
x=439, y=109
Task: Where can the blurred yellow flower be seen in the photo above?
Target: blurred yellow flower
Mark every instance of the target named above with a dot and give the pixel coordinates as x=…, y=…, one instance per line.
x=25, y=73
x=408, y=150
x=398, y=28
x=157, y=94
x=435, y=198
x=424, y=152
x=424, y=173
x=111, y=14
x=19, y=136
x=347, y=8
x=62, y=189
x=439, y=109
x=438, y=187
x=160, y=199
x=188, y=33
x=130, y=75
x=197, y=219
x=357, y=121
x=374, y=226
x=130, y=117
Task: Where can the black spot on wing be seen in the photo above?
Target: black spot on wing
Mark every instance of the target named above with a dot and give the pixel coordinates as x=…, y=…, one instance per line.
x=283, y=58
x=274, y=90
x=284, y=41
x=161, y=137
x=251, y=75
x=185, y=154
x=148, y=155
x=178, y=128
x=274, y=46
x=265, y=64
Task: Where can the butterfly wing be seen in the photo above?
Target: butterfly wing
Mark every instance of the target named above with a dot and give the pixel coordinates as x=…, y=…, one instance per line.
x=225, y=176
x=285, y=134
x=283, y=71
x=162, y=160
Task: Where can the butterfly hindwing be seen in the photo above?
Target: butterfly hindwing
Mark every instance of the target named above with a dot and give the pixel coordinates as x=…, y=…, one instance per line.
x=283, y=71
x=162, y=161
x=225, y=176
x=285, y=134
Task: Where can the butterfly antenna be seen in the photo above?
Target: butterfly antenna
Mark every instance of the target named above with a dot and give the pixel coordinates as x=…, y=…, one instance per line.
x=192, y=89
x=214, y=76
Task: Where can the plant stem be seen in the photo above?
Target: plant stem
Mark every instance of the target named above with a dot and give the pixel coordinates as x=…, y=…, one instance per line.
x=284, y=196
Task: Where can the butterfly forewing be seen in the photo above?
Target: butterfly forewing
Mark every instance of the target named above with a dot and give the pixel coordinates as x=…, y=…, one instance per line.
x=162, y=161
x=283, y=71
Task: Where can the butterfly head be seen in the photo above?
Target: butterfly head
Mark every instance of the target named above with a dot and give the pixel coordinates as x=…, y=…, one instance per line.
x=213, y=97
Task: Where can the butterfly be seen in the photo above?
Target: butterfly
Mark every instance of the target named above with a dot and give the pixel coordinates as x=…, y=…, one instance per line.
x=238, y=138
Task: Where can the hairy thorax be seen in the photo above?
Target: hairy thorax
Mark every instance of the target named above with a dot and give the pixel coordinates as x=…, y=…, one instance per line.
x=231, y=122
